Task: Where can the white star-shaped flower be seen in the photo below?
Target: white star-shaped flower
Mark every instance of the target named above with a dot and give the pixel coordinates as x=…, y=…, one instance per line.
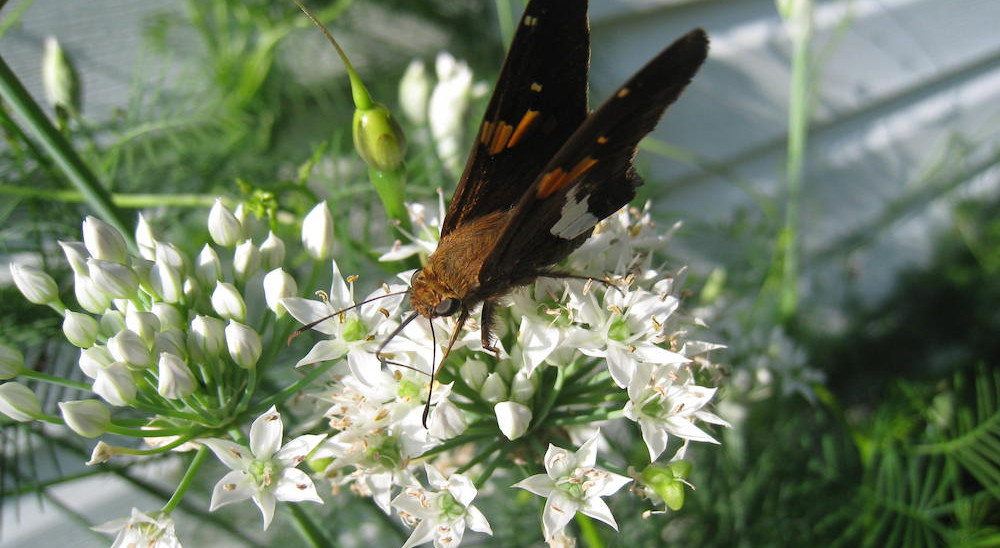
x=266, y=472
x=443, y=513
x=663, y=406
x=141, y=529
x=573, y=484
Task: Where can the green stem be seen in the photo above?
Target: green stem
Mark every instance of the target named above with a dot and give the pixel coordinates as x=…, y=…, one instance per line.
x=308, y=529
x=55, y=144
x=146, y=433
x=800, y=21
x=52, y=379
x=131, y=201
x=362, y=100
x=291, y=389
x=187, y=480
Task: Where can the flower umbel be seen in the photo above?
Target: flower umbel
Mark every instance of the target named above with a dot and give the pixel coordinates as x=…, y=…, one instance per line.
x=266, y=471
x=151, y=530
x=442, y=513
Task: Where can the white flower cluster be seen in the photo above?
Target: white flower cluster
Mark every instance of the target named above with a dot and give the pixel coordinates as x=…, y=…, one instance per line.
x=572, y=352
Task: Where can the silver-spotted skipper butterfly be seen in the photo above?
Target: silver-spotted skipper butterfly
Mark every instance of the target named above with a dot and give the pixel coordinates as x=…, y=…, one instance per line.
x=544, y=169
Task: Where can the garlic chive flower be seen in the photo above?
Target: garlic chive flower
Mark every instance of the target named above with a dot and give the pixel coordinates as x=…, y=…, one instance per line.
x=142, y=530
x=442, y=513
x=36, y=286
x=573, y=484
x=11, y=362
x=19, y=402
x=88, y=418
x=266, y=471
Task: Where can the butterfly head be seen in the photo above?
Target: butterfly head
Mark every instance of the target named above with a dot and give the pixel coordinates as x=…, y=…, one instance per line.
x=431, y=298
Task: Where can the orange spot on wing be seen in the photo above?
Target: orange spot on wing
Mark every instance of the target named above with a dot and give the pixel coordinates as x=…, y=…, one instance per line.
x=500, y=137
x=601, y=140
x=551, y=182
x=487, y=132
x=559, y=178
x=623, y=92
x=523, y=126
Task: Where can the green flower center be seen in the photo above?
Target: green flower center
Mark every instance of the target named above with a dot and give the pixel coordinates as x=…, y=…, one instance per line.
x=619, y=330
x=262, y=472
x=354, y=330
x=450, y=507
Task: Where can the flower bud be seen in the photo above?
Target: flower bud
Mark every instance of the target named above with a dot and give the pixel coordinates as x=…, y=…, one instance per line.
x=113, y=279
x=208, y=267
x=145, y=239
x=206, y=338
x=112, y=322
x=228, y=303
x=59, y=80
x=512, y=418
x=668, y=481
x=317, y=232
x=378, y=138
x=175, y=377
x=246, y=260
x=272, y=252
x=168, y=314
x=88, y=418
x=170, y=341
x=167, y=253
x=224, y=228
x=244, y=344
x=76, y=255
x=166, y=283
x=103, y=241
x=127, y=347
x=144, y=324
x=36, y=286
x=115, y=384
x=474, y=373
x=18, y=402
x=278, y=284
x=93, y=359
x=521, y=388
x=80, y=329
x=414, y=91
x=494, y=388
x=446, y=421
x=88, y=296
x=11, y=362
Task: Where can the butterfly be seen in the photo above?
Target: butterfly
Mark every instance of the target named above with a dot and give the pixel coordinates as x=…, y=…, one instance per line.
x=543, y=170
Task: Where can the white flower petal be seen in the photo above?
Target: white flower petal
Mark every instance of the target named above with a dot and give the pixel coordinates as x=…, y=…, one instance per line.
x=539, y=484
x=295, y=451
x=265, y=501
x=265, y=434
x=294, y=485
x=598, y=509
x=233, y=487
x=559, y=510
x=233, y=455
x=477, y=521
x=322, y=351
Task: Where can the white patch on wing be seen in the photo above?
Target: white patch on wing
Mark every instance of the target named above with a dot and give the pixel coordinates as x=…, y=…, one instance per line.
x=575, y=217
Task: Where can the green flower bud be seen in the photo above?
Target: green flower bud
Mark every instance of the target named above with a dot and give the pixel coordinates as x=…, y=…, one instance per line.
x=145, y=239
x=59, y=79
x=88, y=418
x=378, y=138
x=76, y=255
x=115, y=384
x=90, y=298
x=208, y=267
x=170, y=317
x=494, y=388
x=93, y=359
x=18, y=402
x=668, y=482
x=144, y=324
x=127, y=347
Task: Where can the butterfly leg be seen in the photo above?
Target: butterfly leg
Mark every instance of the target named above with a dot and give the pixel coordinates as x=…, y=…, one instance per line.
x=606, y=280
x=486, y=327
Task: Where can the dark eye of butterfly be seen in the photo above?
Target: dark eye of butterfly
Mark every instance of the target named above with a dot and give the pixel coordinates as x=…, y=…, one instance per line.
x=447, y=307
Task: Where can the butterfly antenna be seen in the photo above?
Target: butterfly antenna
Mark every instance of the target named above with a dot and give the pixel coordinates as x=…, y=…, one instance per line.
x=451, y=342
x=313, y=324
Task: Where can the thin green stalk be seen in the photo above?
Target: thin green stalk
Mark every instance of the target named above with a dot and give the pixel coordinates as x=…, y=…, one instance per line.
x=52, y=379
x=310, y=531
x=131, y=201
x=799, y=20
x=187, y=480
x=55, y=144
